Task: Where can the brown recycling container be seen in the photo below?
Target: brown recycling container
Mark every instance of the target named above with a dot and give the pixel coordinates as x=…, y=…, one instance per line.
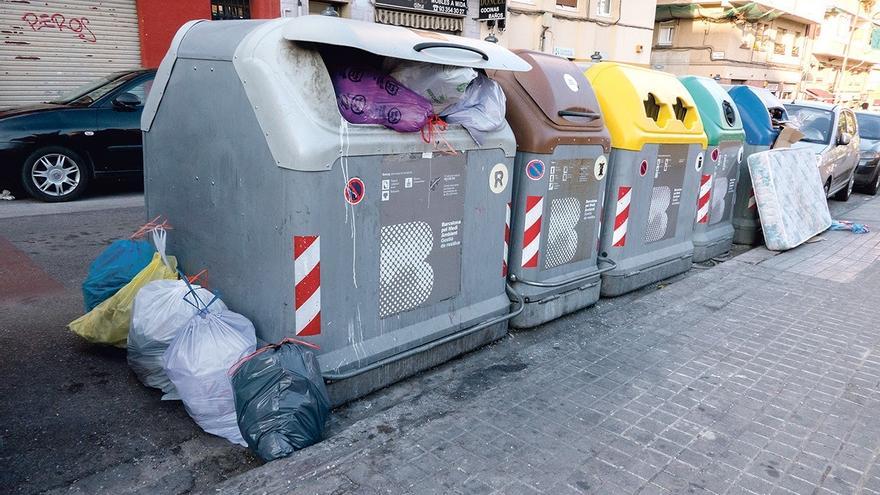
x=559, y=187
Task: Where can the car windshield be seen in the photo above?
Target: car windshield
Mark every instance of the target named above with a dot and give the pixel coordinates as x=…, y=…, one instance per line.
x=815, y=123
x=869, y=126
x=90, y=92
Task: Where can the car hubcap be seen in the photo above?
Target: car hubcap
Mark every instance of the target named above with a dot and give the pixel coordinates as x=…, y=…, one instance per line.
x=55, y=174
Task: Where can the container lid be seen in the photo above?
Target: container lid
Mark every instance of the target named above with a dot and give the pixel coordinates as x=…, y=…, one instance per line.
x=755, y=106
x=721, y=119
x=560, y=90
x=550, y=105
x=403, y=43
x=644, y=106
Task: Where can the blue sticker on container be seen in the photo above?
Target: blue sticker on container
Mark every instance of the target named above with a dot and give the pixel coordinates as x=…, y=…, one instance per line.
x=535, y=170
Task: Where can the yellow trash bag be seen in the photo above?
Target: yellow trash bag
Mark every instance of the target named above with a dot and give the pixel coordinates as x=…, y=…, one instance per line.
x=109, y=321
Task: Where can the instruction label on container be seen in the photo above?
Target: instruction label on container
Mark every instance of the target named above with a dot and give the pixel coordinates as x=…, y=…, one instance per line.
x=571, y=212
x=422, y=213
x=724, y=182
x=669, y=170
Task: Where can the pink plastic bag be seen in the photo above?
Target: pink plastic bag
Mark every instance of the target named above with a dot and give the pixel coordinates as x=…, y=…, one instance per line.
x=366, y=96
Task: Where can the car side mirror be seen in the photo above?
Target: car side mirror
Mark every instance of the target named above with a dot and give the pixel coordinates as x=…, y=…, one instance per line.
x=126, y=101
x=844, y=139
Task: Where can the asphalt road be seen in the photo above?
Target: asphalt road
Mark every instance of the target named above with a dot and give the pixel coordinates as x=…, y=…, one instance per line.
x=73, y=413
x=71, y=409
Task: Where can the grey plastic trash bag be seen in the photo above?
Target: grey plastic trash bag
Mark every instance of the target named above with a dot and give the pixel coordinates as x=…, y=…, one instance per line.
x=159, y=313
x=480, y=110
x=280, y=398
x=442, y=85
x=197, y=360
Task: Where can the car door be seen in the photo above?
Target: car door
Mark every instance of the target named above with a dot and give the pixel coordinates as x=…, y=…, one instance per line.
x=852, y=149
x=836, y=154
x=117, y=140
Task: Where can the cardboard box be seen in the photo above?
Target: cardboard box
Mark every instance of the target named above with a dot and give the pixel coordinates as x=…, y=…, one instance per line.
x=788, y=136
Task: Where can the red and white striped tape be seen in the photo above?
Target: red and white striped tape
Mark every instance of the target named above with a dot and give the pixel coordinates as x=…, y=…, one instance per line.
x=752, y=203
x=621, y=216
x=532, y=231
x=506, y=242
x=307, y=293
x=703, y=199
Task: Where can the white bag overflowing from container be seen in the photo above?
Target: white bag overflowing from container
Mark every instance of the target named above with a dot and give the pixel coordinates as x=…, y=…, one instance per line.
x=481, y=110
x=158, y=315
x=442, y=85
x=197, y=362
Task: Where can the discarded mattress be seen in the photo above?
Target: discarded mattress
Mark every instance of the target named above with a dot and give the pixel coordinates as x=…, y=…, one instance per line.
x=790, y=198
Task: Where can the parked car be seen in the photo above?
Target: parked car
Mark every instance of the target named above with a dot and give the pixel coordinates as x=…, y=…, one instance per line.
x=868, y=171
x=53, y=150
x=831, y=132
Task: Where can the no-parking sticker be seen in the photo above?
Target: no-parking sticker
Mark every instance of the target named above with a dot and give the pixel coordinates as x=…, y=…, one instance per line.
x=354, y=191
x=535, y=170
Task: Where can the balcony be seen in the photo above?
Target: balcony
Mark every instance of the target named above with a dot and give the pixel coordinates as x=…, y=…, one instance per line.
x=805, y=11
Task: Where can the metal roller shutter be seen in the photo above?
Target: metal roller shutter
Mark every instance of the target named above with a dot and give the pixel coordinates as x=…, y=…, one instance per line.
x=51, y=47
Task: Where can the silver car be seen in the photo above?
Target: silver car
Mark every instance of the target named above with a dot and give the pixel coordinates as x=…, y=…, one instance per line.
x=831, y=132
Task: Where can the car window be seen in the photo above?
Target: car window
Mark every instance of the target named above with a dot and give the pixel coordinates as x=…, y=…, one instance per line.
x=141, y=89
x=841, y=123
x=850, y=124
x=92, y=92
x=869, y=126
x=815, y=123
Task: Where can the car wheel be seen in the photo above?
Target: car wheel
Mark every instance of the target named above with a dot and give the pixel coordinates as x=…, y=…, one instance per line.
x=55, y=174
x=827, y=187
x=846, y=192
x=874, y=187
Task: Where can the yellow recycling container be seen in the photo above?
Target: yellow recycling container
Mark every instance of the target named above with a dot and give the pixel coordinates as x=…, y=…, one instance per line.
x=657, y=154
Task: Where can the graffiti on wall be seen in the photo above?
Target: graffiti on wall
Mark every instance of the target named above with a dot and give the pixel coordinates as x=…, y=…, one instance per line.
x=78, y=26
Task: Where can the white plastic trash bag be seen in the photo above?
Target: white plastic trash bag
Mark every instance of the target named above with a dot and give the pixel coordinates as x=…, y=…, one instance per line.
x=197, y=362
x=159, y=313
x=481, y=110
x=442, y=85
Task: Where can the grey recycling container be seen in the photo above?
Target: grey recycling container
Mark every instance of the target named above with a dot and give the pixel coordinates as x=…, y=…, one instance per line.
x=762, y=113
x=713, y=230
x=656, y=160
x=558, y=187
x=366, y=242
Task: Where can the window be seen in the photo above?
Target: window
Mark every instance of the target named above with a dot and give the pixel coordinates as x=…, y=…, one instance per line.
x=869, y=126
x=850, y=123
x=141, y=90
x=665, y=34
x=230, y=9
x=796, y=47
x=875, y=39
x=815, y=123
x=779, y=43
x=603, y=8
x=843, y=25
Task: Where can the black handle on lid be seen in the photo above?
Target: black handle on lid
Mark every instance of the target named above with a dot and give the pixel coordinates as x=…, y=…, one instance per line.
x=571, y=113
x=438, y=44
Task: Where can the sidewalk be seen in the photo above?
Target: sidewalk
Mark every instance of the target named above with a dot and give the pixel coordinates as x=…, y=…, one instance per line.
x=759, y=375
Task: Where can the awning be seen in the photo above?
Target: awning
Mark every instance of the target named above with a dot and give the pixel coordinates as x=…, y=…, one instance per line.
x=820, y=94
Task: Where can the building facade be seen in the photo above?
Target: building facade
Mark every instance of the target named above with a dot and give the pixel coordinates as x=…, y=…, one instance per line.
x=825, y=50
x=53, y=46
x=760, y=43
x=846, y=55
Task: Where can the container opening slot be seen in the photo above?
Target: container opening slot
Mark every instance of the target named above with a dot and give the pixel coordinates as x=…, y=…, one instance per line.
x=680, y=109
x=652, y=109
x=729, y=114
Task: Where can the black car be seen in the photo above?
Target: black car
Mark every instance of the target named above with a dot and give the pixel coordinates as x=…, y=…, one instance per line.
x=868, y=173
x=52, y=150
